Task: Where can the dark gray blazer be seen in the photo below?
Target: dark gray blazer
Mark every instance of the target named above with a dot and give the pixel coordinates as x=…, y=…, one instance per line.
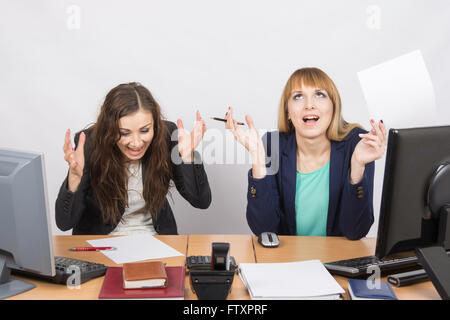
x=80, y=211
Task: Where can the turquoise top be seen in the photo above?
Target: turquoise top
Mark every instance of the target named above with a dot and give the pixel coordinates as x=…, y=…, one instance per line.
x=311, y=201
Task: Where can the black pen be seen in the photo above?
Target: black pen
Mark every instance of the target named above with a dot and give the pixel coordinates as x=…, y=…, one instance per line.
x=225, y=120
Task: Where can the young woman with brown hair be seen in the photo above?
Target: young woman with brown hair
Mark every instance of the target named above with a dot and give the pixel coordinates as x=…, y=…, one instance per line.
x=322, y=184
x=121, y=169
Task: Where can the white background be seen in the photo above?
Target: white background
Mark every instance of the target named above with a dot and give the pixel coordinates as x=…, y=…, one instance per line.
x=58, y=59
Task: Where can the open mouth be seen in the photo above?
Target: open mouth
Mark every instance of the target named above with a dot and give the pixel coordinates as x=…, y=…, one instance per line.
x=135, y=152
x=311, y=119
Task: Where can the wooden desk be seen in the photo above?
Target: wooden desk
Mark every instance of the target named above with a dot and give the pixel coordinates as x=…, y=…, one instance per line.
x=328, y=249
x=90, y=289
x=244, y=248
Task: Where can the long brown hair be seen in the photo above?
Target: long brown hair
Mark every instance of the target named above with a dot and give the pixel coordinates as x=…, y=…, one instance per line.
x=108, y=172
x=314, y=77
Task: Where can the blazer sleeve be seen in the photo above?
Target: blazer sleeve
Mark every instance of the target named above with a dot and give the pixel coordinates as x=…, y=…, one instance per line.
x=263, y=199
x=356, y=210
x=190, y=179
x=70, y=205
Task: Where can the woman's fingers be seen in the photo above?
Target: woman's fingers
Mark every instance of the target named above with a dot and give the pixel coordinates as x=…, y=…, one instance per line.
x=67, y=143
x=242, y=136
x=231, y=124
x=73, y=164
x=180, y=129
x=377, y=129
x=372, y=137
x=68, y=156
x=249, y=121
x=383, y=130
x=80, y=146
x=234, y=124
x=180, y=124
x=373, y=144
x=203, y=127
x=229, y=117
x=69, y=150
x=74, y=158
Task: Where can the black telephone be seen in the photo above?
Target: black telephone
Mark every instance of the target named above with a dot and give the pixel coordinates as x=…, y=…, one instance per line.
x=204, y=263
x=212, y=276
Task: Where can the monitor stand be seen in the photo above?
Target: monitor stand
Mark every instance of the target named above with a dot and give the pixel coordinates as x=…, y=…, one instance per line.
x=11, y=287
x=436, y=263
x=435, y=260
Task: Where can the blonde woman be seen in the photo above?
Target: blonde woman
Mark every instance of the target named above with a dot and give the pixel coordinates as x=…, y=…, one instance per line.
x=323, y=185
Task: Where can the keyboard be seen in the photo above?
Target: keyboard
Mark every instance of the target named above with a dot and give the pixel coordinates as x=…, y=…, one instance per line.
x=66, y=267
x=365, y=266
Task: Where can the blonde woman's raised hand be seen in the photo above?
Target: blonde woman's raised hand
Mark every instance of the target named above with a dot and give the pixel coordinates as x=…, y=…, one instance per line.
x=371, y=147
x=251, y=140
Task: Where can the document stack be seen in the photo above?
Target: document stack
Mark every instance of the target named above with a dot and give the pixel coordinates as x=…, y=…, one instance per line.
x=290, y=280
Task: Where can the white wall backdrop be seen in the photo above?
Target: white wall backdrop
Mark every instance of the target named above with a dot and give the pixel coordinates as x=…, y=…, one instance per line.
x=59, y=58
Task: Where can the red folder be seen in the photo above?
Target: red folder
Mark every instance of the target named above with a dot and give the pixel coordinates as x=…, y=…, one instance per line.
x=113, y=286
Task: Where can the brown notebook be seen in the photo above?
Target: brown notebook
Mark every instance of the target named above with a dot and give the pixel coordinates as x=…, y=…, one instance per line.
x=150, y=274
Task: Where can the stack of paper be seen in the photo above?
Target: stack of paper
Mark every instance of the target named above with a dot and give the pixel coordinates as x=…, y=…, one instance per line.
x=291, y=280
x=135, y=248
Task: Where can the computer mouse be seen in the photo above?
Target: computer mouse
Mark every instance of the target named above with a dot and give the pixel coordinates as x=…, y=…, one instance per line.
x=269, y=239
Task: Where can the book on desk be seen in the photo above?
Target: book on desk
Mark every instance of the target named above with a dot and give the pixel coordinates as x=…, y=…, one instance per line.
x=140, y=275
x=112, y=287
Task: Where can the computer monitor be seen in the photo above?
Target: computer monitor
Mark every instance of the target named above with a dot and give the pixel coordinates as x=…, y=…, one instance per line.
x=412, y=158
x=415, y=204
x=25, y=229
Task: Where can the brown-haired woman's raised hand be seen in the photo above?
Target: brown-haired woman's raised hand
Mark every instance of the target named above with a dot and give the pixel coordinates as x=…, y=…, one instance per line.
x=188, y=142
x=75, y=159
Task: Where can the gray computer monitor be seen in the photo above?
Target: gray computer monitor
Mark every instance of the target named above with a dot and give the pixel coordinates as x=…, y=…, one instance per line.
x=25, y=229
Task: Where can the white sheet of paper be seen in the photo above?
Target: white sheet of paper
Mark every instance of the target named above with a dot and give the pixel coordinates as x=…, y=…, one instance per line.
x=400, y=92
x=303, y=279
x=135, y=248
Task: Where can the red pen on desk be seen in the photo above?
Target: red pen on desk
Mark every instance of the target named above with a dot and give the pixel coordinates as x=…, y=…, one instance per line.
x=92, y=248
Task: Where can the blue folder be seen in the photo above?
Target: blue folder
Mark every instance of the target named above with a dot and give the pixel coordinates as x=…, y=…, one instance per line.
x=365, y=289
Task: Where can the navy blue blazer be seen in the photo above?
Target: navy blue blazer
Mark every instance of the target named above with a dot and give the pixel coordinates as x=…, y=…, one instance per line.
x=271, y=200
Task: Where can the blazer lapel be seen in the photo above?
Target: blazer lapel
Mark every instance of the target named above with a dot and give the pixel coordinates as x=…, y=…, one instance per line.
x=336, y=169
x=288, y=169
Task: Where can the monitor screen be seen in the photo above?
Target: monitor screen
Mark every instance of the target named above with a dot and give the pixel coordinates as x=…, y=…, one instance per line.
x=25, y=229
x=413, y=156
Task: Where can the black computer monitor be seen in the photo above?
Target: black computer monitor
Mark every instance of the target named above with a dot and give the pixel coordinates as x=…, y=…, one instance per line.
x=415, y=204
x=25, y=229
x=412, y=158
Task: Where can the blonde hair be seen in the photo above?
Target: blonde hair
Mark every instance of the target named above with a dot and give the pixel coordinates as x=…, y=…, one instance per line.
x=314, y=77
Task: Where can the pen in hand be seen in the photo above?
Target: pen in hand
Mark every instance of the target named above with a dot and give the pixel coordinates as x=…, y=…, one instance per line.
x=225, y=120
x=92, y=248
